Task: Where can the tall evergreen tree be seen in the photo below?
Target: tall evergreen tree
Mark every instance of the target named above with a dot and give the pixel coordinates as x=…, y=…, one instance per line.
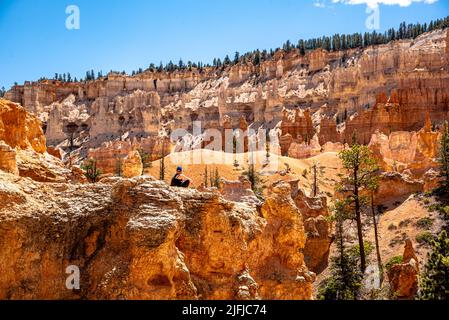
x=217, y=179
x=361, y=169
x=435, y=279
x=227, y=61
x=444, y=158
x=345, y=280
x=236, y=57
x=162, y=163
x=205, y=177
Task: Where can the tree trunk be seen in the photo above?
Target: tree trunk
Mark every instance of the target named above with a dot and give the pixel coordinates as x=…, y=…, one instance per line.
x=359, y=222
x=376, y=237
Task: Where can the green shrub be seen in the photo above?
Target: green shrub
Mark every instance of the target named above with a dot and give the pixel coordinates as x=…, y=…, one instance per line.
x=90, y=170
x=434, y=282
x=392, y=262
x=424, y=237
x=355, y=251
x=424, y=223
x=445, y=210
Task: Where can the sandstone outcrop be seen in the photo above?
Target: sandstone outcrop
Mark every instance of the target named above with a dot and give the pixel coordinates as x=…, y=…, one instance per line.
x=393, y=187
x=383, y=88
x=304, y=149
x=23, y=148
x=138, y=239
x=132, y=165
x=403, y=150
x=315, y=213
x=55, y=152
x=403, y=277
x=238, y=191
x=110, y=155
x=19, y=129
x=8, y=158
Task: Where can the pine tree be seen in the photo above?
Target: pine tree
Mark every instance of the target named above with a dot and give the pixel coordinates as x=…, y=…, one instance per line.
x=217, y=179
x=435, y=279
x=146, y=160
x=317, y=171
x=236, y=57
x=227, y=61
x=361, y=168
x=301, y=47
x=345, y=280
x=205, y=177
x=444, y=158
x=118, y=167
x=90, y=170
x=256, y=59
x=254, y=178
x=162, y=163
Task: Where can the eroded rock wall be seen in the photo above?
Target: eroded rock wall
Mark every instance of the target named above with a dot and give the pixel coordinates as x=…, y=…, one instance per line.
x=386, y=87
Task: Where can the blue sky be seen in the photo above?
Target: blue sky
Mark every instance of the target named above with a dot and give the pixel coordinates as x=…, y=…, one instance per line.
x=126, y=35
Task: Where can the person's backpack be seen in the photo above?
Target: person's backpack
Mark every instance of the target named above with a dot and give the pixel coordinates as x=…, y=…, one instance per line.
x=175, y=182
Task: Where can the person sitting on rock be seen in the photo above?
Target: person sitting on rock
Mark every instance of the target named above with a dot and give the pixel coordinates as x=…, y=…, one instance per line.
x=180, y=180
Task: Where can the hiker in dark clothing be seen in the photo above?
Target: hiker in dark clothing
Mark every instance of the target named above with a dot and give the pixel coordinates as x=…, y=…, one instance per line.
x=180, y=180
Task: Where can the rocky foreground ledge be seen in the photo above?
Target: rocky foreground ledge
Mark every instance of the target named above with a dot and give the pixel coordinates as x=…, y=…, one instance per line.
x=139, y=239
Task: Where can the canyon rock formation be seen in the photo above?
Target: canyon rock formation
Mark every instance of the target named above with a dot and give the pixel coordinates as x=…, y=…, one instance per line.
x=316, y=214
x=23, y=148
x=416, y=152
x=403, y=277
x=133, y=237
x=132, y=165
x=396, y=87
x=140, y=239
x=238, y=191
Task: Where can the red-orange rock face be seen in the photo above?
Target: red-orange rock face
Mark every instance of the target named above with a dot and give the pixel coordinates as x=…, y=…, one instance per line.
x=20, y=129
x=403, y=277
x=386, y=88
x=110, y=156
x=315, y=213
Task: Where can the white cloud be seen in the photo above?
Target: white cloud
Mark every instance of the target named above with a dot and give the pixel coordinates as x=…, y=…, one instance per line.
x=319, y=4
x=376, y=3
